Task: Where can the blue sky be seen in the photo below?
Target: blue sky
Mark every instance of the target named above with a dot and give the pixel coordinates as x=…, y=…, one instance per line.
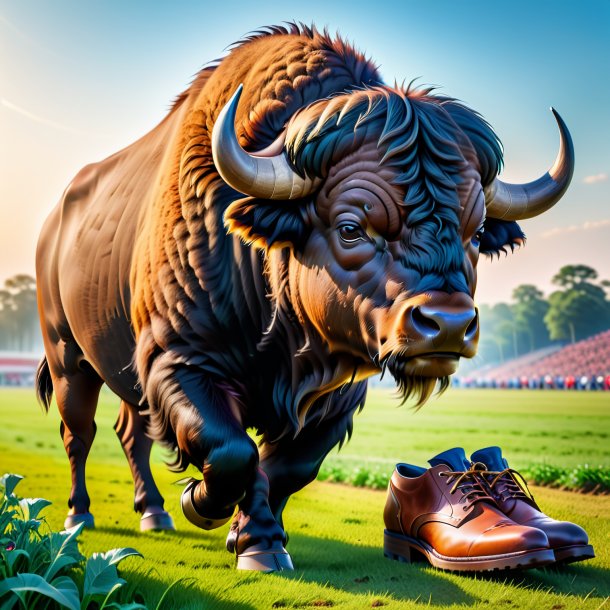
x=79, y=80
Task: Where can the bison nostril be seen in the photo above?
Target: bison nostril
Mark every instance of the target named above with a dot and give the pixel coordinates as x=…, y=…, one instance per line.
x=472, y=327
x=424, y=325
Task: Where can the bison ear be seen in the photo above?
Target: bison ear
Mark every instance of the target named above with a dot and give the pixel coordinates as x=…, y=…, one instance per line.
x=498, y=235
x=265, y=223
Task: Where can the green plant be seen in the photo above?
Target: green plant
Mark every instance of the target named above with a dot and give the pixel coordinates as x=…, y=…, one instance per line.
x=544, y=474
x=582, y=477
x=334, y=474
x=379, y=479
x=359, y=477
x=40, y=568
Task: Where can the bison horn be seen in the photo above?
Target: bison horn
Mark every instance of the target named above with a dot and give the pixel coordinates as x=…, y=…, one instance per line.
x=520, y=201
x=257, y=175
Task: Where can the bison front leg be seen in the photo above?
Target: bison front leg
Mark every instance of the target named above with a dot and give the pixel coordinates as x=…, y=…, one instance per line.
x=255, y=536
x=291, y=465
x=191, y=412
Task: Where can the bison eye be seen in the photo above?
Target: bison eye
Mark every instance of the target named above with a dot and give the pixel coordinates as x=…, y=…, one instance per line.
x=476, y=240
x=351, y=232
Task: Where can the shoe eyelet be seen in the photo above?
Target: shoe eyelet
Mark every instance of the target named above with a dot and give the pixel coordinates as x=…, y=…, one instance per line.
x=445, y=475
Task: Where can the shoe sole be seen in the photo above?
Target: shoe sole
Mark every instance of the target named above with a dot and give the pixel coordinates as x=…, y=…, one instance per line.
x=408, y=550
x=571, y=554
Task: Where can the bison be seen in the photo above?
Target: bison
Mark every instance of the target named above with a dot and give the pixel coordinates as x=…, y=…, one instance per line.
x=292, y=227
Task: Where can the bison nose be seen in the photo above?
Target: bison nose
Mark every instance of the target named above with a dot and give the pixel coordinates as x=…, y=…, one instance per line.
x=434, y=322
x=447, y=322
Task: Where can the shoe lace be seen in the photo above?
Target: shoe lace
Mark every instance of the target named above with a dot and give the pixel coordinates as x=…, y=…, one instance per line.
x=469, y=482
x=514, y=484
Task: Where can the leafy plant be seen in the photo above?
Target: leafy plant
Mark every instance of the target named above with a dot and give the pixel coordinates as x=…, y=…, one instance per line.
x=40, y=568
x=334, y=474
x=378, y=479
x=585, y=478
x=360, y=476
x=544, y=474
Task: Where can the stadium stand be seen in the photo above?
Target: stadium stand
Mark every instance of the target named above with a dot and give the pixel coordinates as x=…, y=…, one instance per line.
x=582, y=365
x=18, y=368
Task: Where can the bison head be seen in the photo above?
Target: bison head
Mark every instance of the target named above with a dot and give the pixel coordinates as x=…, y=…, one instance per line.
x=386, y=199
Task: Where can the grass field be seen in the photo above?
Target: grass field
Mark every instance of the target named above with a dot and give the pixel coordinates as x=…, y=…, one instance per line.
x=562, y=428
x=335, y=530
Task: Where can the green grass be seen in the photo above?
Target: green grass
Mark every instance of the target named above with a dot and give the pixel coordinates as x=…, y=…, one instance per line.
x=560, y=439
x=335, y=530
x=560, y=428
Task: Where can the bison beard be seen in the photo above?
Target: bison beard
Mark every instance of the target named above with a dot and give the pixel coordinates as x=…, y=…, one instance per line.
x=215, y=289
x=418, y=387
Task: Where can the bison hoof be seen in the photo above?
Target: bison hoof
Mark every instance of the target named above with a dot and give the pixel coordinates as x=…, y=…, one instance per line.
x=76, y=518
x=156, y=521
x=273, y=559
x=194, y=516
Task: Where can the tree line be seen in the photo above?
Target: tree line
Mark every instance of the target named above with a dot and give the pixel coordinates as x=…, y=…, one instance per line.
x=19, y=327
x=577, y=309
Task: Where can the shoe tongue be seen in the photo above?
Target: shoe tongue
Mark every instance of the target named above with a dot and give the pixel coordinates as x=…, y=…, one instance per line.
x=491, y=457
x=454, y=458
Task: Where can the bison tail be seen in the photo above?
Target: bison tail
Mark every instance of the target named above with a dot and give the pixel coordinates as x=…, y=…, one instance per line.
x=44, y=384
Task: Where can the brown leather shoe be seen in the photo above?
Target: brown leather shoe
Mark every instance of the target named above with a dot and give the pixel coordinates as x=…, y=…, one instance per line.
x=445, y=514
x=569, y=541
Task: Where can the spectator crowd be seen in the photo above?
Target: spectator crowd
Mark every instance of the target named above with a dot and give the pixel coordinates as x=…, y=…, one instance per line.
x=584, y=365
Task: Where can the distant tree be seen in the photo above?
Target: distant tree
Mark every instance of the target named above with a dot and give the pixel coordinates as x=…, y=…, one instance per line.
x=489, y=349
x=506, y=330
x=529, y=310
x=8, y=321
x=19, y=328
x=571, y=276
x=581, y=309
x=498, y=333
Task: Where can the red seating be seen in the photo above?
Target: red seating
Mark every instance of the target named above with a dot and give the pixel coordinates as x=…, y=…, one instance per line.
x=585, y=364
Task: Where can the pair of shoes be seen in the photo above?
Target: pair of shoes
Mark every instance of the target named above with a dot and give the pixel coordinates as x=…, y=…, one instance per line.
x=473, y=515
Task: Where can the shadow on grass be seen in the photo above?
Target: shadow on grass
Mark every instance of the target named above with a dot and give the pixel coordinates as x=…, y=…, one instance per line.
x=149, y=588
x=364, y=570
x=581, y=579
x=576, y=579
x=340, y=566
x=360, y=569
x=202, y=537
x=334, y=565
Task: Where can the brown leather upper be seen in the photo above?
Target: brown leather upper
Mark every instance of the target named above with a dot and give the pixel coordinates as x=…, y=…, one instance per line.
x=458, y=524
x=521, y=508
